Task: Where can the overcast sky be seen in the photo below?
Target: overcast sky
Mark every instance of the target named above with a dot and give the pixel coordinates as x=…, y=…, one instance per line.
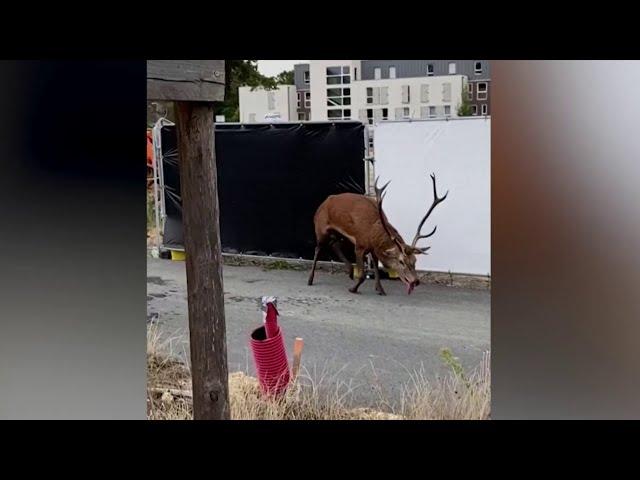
x=271, y=68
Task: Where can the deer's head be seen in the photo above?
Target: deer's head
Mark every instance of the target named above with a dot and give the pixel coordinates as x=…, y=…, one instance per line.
x=401, y=257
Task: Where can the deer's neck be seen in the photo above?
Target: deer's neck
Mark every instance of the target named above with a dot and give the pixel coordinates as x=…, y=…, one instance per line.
x=383, y=243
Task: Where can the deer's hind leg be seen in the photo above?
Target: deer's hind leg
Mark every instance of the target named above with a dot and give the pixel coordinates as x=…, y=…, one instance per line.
x=322, y=241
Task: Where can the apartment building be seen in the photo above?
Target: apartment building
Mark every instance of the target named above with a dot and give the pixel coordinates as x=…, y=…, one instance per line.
x=359, y=90
x=302, y=80
x=373, y=90
x=262, y=105
x=477, y=72
x=408, y=98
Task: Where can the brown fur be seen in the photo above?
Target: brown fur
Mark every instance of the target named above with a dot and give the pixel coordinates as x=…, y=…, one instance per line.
x=356, y=218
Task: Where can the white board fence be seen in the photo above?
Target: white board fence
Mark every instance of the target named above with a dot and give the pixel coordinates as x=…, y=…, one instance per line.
x=458, y=151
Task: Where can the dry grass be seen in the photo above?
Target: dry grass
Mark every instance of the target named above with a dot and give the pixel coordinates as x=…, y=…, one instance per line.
x=316, y=396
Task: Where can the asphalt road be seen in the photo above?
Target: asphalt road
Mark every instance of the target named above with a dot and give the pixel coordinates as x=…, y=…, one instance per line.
x=367, y=341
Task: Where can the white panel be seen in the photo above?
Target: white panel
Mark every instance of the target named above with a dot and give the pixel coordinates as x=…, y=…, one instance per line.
x=424, y=93
x=459, y=153
x=405, y=93
x=446, y=92
x=376, y=96
x=384, y=95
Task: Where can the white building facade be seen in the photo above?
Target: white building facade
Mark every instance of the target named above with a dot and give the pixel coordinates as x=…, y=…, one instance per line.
x=371, y=91
x=262, y=105
x=338, y=93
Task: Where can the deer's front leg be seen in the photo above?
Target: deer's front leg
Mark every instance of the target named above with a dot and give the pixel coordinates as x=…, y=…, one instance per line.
x=361, y=273
x=376, y=272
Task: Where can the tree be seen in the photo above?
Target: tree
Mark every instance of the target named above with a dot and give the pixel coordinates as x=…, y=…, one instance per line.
x=285, y=78
x=464, y=108
x=238, y=73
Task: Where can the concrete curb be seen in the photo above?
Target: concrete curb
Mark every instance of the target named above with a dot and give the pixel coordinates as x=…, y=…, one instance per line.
x=459, y=280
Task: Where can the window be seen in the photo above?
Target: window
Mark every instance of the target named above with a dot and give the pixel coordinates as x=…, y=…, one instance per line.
x=406, y=98
x=271, y=100
x=338, y=114
x=474, y=110
x=301, y=116
x=482, y=91
x=307, y=99
x=338, y=75
x=299, y=99
x=355, y=73
x=338, y=96
x=377, y=114
x=432, y=112
x=392, y=72
x=306, y=76
x=405, y=112
x=377, y=73
x=452, y=68
x=477, y=68
x=430, y=70
x=470, y=88
x=377, y=95
x=447, y=110
x=485, y=109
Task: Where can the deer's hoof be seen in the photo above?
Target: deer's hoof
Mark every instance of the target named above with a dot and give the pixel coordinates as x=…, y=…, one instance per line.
x=354, y=290
x=381, y=292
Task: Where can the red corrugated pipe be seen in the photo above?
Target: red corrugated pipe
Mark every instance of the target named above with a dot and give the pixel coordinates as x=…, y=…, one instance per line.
x=269, y=353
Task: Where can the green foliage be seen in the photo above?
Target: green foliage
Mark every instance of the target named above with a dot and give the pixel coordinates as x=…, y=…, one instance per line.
x=453, y=363
x=241, y=73
x=285, y=78
x=279, y=265
x=464, y=108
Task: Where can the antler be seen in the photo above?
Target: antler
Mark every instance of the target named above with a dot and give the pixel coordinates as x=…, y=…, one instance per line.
x=436, y=201
x=380, y=193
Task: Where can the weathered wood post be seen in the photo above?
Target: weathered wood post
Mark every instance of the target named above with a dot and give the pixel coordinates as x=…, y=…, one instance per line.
x=193, y=85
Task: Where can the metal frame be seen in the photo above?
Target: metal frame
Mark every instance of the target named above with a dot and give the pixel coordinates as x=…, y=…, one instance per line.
x=158, y=167
x=158, y=179
x=437, y=119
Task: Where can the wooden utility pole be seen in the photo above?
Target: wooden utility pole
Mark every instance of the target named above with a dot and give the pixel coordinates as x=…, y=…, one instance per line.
x=194, y=85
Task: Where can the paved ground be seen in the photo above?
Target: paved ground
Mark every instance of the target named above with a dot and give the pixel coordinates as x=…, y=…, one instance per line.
x=369, y=340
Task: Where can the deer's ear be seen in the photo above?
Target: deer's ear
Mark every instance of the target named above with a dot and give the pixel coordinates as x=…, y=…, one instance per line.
x=390, y=251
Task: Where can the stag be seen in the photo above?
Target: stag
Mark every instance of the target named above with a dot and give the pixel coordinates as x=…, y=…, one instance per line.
x=361, y=220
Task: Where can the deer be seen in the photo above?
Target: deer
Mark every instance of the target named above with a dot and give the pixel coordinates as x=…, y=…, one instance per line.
x=361, y=220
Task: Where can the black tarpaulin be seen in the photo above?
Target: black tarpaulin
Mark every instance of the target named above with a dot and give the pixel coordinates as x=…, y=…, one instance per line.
x=271, y=180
